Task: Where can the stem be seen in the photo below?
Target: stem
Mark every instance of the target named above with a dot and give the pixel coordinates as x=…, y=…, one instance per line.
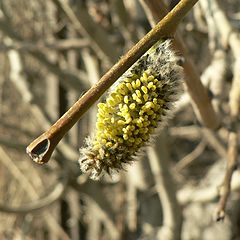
x=40, y=150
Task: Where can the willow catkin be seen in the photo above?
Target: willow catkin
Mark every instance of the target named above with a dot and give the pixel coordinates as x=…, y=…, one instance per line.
x=135, y=106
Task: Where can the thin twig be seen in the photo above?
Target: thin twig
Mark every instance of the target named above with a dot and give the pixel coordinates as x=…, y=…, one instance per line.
x=214, y=76
x=94, y=191
x=196, y=133
x=33, y=194
x=40, y=150
x=228, y=37
x=205, y=194
x=172, y=216
x=75, y=210
x=189, y=158
x=73, y=80
x=131, y=212
x=12, y=143
x=124, y=21
x=13, y=127
x=212, y=139
x=226, y=186
x=84, y=25
x=60, y=45
x=190, y=132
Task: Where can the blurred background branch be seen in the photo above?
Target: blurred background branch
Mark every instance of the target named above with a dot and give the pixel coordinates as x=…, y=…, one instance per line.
x=51, y=52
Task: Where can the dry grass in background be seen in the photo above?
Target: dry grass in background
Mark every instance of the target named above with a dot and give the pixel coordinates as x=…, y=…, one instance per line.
x=53, y=51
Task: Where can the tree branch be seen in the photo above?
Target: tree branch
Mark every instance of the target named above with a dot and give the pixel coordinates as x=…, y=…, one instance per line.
x=40, y=150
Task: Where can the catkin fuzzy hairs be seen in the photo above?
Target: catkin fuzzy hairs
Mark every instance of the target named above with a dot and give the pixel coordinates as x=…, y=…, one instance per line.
x=135, y=106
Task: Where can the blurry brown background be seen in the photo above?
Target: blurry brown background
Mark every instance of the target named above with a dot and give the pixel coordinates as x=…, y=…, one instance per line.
x=51, y=52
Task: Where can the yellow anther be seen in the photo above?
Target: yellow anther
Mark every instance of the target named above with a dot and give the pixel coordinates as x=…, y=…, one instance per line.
x=120, y=122
x=109, y=144
x=131, y=139
x=140, y=124
x=96, y=145
x=134, y=76
x=150, y=112
x=151, y=78
x=145, y=137
x=101, y=105
x=128, y=128
x=119, y=113
x=138, y=141
x=100, y=115
x=141, y=112
x=150, y=85
x=149, y=105
x=128, y=120
x=143, y=130
x=106, y=119
x=132, y=106
x=122, y=91
x=158, y=117
x=115, y=146
x=138, y=100
x=136, y=132
x=138, y=93
x=138, y=83
x=157, y=107
x=113, y=102
x=144, y=89
x=126, y=99
x=134, y=96
x=119, y=140
x=100, y=125
x=117, y=98
x=129, y=86
x=122, y=86
x=154, y=116
x=132, y=127
x=133, y=84
x=125, y=136
x=145, y=97
x=145, y=75
x=154, y=123
x=148, y=71
x=125, y=108
x=146, y=123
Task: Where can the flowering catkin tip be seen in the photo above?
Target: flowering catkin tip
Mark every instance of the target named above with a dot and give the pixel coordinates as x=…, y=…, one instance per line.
x=135, y=106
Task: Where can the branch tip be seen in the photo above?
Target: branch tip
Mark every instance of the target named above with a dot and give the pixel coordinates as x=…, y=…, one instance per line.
x=38, y=152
